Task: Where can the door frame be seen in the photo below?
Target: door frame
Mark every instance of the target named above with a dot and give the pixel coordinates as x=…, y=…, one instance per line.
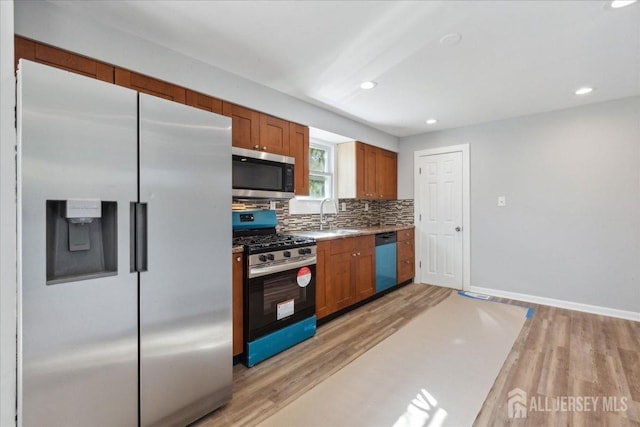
x=466, y=211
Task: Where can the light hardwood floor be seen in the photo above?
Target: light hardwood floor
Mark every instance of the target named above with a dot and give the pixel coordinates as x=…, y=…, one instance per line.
x=558, y=353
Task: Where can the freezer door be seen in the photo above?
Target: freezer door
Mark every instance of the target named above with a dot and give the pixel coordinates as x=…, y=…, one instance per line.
x=185, y=293
x=77, y=337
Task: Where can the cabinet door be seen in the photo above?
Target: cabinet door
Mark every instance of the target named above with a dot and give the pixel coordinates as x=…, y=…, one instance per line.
x=370, y=179
x=365, y=267
x=343, y=279
x=386, y=174
x=149, y=85
x=274, y=135
x=324, y=287
x=238, y=277
x=360, y=171
x=204, y=102
x=299, y=149
x=44, y=54
x=245, y=132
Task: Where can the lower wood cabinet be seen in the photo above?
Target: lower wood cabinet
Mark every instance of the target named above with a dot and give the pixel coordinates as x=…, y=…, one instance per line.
x=237, y=260
x=345, y=273
x=406, y=255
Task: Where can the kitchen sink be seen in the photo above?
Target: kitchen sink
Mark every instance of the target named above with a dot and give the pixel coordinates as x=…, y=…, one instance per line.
x=327, y=233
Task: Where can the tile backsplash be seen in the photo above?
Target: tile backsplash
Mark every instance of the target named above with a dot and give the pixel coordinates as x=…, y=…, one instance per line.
x=380, y=212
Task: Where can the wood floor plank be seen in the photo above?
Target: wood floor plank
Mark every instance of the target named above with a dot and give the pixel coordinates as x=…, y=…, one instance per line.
x=557, y=353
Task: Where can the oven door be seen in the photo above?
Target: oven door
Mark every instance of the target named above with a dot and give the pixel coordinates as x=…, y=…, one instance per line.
x=280, y=299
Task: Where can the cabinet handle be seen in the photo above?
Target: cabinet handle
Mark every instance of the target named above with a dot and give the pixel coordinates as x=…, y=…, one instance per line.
x=264, y=147
x=353, y=254
x=407, y=243
x=238, y=259
x=408, y=262
x=358, y=253
x=256, y=146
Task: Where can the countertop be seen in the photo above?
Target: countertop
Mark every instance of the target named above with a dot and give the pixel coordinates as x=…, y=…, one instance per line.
x=237, y=249
x=360, y=232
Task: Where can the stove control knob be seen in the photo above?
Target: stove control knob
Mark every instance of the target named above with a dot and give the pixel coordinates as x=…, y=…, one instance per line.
x=307, y=251
x=301, y=251
x=263, y=258
x=270, y=257
x=286, y=254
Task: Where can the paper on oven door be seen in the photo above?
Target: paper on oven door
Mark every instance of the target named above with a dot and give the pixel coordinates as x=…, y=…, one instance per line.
x=285, y=309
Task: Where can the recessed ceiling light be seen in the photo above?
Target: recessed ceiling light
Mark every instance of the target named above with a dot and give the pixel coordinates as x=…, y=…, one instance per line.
x=431, y=121
x=368, y=85
x=617, y=4
x=584, y=90
x=450, y=39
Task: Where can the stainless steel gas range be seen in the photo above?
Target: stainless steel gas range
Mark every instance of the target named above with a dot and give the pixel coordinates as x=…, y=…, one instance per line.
x=279, y=285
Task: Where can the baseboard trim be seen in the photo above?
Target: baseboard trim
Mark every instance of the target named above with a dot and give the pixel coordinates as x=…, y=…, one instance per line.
x=594, y=309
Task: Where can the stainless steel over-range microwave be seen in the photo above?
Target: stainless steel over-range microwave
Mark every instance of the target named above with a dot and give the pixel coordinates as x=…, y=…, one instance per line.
x=261, y=175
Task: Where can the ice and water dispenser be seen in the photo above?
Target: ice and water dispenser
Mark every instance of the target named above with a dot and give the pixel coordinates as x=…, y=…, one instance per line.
x=81, y=240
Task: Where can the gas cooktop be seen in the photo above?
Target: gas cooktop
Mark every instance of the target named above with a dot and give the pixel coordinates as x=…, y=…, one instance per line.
x=269, y=242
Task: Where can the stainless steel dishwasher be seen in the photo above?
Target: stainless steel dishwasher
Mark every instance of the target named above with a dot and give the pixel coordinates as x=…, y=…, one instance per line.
x=385, y=260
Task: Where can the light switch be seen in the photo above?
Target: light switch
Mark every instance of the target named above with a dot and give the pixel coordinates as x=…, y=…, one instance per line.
x=272, y=205
x=502, y=201
x=343, y=206
x=366, y=206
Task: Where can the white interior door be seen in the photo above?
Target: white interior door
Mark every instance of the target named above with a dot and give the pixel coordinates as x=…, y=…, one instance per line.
x=440, y=208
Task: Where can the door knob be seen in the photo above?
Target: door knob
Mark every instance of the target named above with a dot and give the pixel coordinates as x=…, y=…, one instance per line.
x=458, y=228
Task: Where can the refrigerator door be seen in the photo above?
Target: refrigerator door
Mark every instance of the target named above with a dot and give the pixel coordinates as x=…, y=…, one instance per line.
x=77, y=329
x=185, y=294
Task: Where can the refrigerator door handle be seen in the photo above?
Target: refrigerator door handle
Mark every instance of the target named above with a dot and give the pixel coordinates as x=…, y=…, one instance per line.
x=138, y=237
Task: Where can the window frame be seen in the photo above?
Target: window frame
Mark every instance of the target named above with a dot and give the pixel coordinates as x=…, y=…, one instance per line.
x=331, y=167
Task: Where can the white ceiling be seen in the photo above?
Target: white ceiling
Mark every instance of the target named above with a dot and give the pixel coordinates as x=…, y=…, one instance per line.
x=515, y=57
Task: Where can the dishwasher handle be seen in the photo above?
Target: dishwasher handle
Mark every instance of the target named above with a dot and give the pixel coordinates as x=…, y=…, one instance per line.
x=386, y=238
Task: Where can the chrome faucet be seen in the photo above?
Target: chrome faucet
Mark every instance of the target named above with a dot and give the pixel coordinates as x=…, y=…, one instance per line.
x=323, y=219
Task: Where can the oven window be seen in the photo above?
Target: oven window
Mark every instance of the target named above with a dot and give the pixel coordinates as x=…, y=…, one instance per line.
x=257, y=175
x=281, y=289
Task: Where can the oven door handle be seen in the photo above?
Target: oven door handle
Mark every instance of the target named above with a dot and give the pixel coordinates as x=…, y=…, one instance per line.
x=270, y=269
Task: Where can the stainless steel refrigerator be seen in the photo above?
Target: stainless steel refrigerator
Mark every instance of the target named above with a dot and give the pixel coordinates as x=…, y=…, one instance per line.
x=124, y=313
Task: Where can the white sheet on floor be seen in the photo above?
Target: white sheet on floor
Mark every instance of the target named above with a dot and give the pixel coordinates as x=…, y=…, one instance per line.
x=435, y=371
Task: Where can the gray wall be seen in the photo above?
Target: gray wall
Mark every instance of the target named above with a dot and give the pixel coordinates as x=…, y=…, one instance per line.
x=7, y=221
x=571, y=227
x=46, y=22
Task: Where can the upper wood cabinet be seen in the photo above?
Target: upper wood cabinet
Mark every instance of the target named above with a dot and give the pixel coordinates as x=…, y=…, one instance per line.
x=204, y=102
x=45, y=54
x=386, y=174
x=150, y=86
x=245, y=126
x=366, y=172
x=274, y=135
x=299, y=150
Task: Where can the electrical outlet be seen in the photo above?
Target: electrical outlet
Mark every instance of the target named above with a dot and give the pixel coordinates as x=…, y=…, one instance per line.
x=343, y=206
x=366, y=206
x=502, y=201
x=272, y=205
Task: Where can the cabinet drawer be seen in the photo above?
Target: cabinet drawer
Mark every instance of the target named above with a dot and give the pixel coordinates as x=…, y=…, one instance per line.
x=405, y=269
x=405, y=234
x=405, y=249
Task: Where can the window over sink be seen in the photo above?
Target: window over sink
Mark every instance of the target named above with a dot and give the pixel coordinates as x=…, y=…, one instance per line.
x=321, y=170
x=322, y=173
